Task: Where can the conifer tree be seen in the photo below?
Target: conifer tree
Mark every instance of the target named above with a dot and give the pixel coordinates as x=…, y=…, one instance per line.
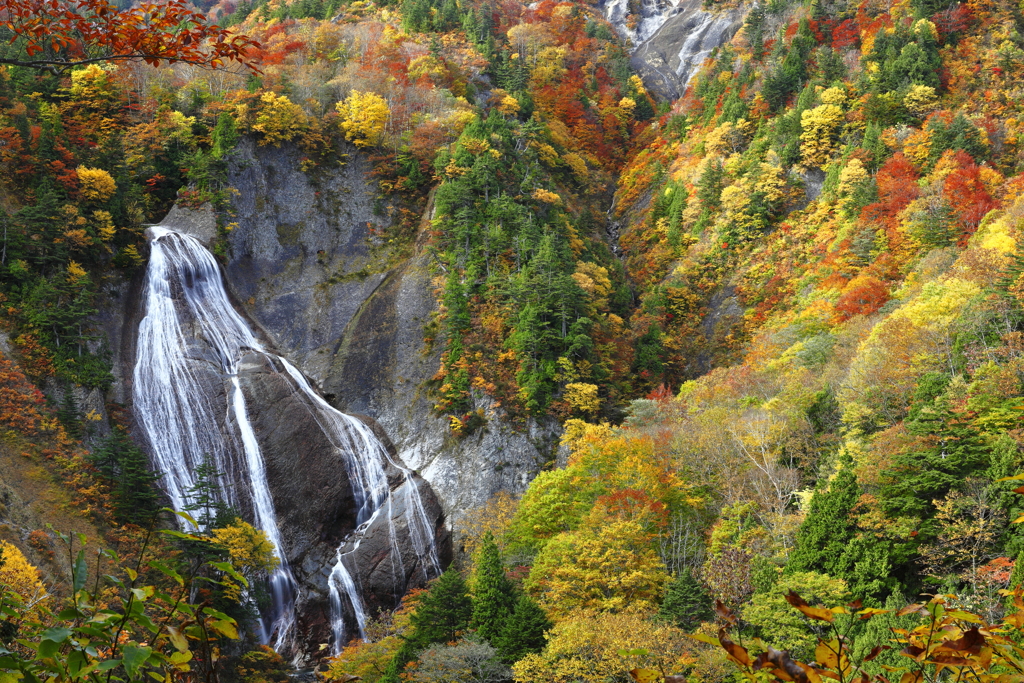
x=443, y=614
x=126, y=467
x=523, y=633
x=686, y=603
x=494, y=596
x=828, y=528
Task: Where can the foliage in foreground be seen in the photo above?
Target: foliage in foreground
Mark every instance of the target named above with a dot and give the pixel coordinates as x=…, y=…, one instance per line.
x=144, y=621
x=945, y=643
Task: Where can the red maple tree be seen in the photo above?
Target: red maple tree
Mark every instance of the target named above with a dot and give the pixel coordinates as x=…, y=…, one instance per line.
x=57, y=35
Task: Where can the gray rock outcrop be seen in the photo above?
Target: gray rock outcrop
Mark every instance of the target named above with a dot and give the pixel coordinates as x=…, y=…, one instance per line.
x=307, y=264
x=672, y=39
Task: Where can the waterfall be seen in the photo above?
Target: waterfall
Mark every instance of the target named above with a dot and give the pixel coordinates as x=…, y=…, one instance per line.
x=190, y=325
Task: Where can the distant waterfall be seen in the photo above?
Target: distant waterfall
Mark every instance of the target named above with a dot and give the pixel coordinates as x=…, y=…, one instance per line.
x=189, y=322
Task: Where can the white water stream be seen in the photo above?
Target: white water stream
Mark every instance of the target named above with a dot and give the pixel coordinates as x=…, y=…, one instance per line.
x=186, y=302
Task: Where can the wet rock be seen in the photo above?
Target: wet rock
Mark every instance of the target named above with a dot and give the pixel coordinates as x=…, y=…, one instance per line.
x=304, y=263
x=671, y=40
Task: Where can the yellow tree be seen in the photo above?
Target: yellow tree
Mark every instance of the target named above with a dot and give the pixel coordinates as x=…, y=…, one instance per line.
x=820, y=126
x=96, y=184
x=597, y=647
x=607, y=565
x=364, y=117
x=279, y=119
x=250, y=550
x=19, y=576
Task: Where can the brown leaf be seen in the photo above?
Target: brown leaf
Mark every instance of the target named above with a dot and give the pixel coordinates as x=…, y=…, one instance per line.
x=915, y=608
x=912, y=651
x=781, y=660
x=818, y=613
x=972, y=641
x=724, y=613
x=875, y=651
x=737, y=653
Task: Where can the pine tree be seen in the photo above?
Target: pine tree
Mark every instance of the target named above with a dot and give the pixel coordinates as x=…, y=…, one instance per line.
x=443, y=614
x=958, y=449
x=494, y=596
x=523, y=632
x=686, y=603
x=126, y=469
x=828, y=528
x=204, y=499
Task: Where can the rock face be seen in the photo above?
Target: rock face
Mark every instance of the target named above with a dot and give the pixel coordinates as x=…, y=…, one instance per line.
x=317, y=512
x=321, y=484
x=304, y=264
x=672, y=39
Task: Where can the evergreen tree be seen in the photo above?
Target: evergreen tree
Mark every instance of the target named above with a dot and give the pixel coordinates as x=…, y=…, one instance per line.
x=443, y=614
x=523, y=633
x=828, y=528
x=709, y=186
x=686, y=603
x=126, y=469
x=957, y=450
x=494, y=596
x=878, y=630
x=204, y=499
x=68, y=414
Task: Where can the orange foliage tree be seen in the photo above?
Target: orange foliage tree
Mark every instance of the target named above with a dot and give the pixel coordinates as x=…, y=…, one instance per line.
x=57, y=35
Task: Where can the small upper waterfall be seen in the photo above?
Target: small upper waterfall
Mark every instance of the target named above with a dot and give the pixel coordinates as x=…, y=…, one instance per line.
x=189, y=418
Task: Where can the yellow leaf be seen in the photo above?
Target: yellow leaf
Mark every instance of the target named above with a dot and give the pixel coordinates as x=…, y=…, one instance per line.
x=826, y=654
x=645, y=675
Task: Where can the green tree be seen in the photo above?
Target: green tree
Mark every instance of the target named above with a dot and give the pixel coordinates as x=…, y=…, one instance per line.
x=440, y=617
x=494, y=595
x=686, y=604
x=524, y=631
x=829, y=526
x=955, y=449
x=125, y=468
x=772, y=615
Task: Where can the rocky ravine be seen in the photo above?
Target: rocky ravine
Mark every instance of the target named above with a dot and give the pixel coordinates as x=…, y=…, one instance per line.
x=671, y=38
x=302, y=264
x=302, y=267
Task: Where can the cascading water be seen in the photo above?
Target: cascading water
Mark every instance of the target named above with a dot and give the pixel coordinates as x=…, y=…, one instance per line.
x=189, y=323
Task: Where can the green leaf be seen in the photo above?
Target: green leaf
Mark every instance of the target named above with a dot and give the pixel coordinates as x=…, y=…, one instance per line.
x=143, y=594
x=133, y=657
x=75, y=662
x=81, y=571
x=167, y=571
x=185, y=516
x=182, y=535
x=228, y=569
x=47, y=649
x=57, y=634
x=108, y=665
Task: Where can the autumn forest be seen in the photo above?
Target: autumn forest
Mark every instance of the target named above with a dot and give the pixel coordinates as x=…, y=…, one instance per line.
x=777, y=323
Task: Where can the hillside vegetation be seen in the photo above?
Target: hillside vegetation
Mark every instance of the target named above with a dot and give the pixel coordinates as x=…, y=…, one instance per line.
x=780, y=318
